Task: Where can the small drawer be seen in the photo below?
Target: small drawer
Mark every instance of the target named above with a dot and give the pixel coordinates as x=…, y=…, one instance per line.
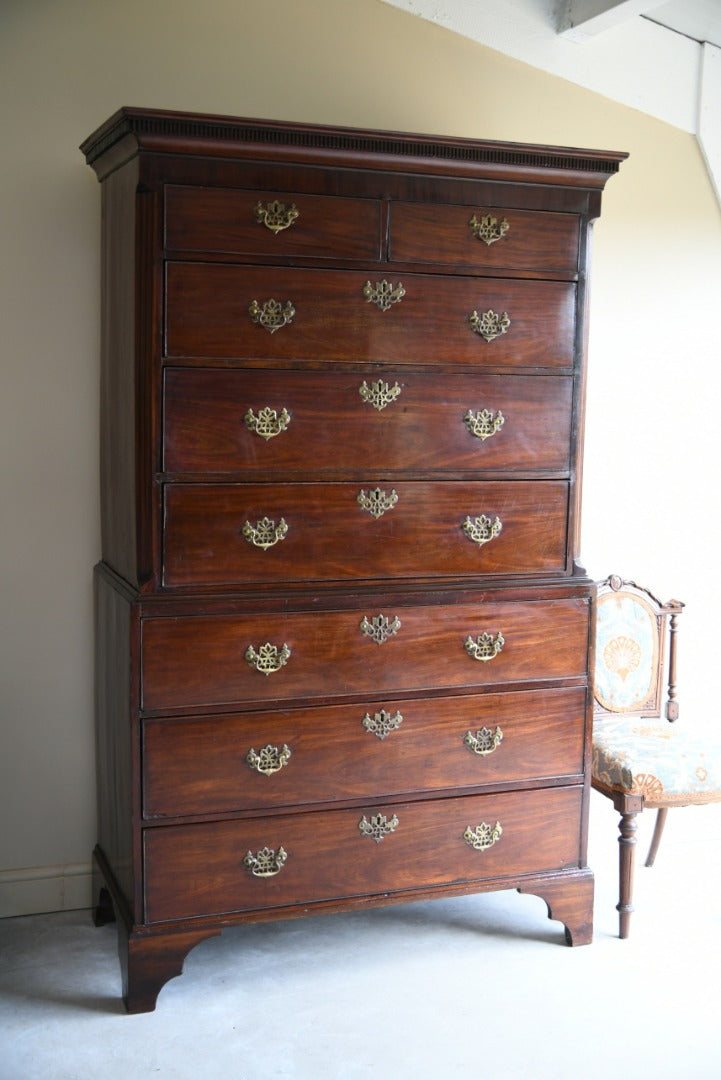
x=287, y=860
x=226, y=534
x=215, y=660
x=224, y=312
x=287, y=422
x=484, y=237
x=268, y=760
x=271, y=223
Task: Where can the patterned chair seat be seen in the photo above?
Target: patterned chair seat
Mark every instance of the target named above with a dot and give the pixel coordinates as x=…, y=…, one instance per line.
x=665, y=764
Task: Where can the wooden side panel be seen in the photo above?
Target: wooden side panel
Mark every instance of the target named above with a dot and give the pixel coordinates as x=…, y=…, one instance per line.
x=118, y=374
x=115, y=731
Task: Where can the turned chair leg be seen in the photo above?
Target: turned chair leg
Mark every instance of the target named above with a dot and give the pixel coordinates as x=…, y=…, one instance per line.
x=657, y=834
x=629, y=808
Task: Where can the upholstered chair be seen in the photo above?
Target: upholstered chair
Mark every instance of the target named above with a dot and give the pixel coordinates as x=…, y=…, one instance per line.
x=641, y=756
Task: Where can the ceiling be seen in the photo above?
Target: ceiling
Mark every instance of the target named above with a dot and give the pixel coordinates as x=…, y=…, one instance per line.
x=663, y=59
x=699, y=20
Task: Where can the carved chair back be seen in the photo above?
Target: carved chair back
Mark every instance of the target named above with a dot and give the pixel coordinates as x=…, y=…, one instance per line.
x=632, y=627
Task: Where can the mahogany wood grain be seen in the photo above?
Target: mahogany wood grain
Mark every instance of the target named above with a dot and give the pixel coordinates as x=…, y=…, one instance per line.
x=569, y=898
x=333, y=430
x=428, y=233
x=331, y=537
x=116, y=631
x=197, y=869
x=199, y=766
x=181, y=597
x=200, y=661
x=224, y=220
x=208, y=306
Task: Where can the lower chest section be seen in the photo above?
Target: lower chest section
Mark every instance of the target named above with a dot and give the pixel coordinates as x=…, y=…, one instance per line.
x=287, y=860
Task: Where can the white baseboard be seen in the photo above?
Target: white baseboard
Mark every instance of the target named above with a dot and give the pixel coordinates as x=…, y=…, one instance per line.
x=37, y=889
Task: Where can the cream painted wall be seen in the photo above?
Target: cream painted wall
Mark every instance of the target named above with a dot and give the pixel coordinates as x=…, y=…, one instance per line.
x=653, y=444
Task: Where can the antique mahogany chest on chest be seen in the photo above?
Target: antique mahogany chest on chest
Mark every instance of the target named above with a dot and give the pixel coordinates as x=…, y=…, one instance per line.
x=343, y=642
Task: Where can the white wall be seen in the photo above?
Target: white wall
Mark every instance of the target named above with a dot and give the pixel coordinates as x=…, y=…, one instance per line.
x=653, y=442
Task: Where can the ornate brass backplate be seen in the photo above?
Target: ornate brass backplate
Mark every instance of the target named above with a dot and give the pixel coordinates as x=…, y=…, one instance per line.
x=379, y=394
x=272, y=314
x=488, y=228
x=383, y=294
x=380, y=627
x=381, y=724
x=483, y=424
x=376, y=501
x=268, y=423
x=266, y=863
x=265, y=533
x=486, y=647
x=268, y=658
x=484, y=741
x=276, y=216
x=378, y=827
x=483, y=836
x=481, y=529
x=489, y=324
x=269, y=760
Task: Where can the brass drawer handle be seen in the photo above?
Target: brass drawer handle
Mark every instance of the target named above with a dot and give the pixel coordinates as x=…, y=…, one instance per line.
x=489, y=324
x=483, y=836
x=481, y=529
x=379, y=393
x=487, y=228
x=486, y=647
x=376, y=501
x=483, y=424
x=484, y=741
x=265, y=533
x=276, y=216
x=268, y=423
x=270, y=759
x=272, y=314
x=378, y=827
x=268, y=658
x=383, y=294
x=267, y=862
x=380, y=627
x=381, y=724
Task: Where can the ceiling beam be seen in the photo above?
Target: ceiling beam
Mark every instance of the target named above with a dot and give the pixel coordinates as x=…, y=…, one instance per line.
x=579, y=20
x=709, y=129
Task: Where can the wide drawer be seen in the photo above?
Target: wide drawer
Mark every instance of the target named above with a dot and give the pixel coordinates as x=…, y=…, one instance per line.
x=214, y=660
x=485, y=237
x=217, y=764
x=212, y=308
x=275, y=223
x=288, y=422
x=248, y=865
x=217, y=534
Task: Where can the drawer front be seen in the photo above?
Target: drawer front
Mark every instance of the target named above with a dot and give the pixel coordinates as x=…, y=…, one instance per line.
x=271, y=223
x=210, y=313
x=470, y=422
x=217, y=534
x=203, y=869
x=204, y=660
x=377, y=749
x=486, y=237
